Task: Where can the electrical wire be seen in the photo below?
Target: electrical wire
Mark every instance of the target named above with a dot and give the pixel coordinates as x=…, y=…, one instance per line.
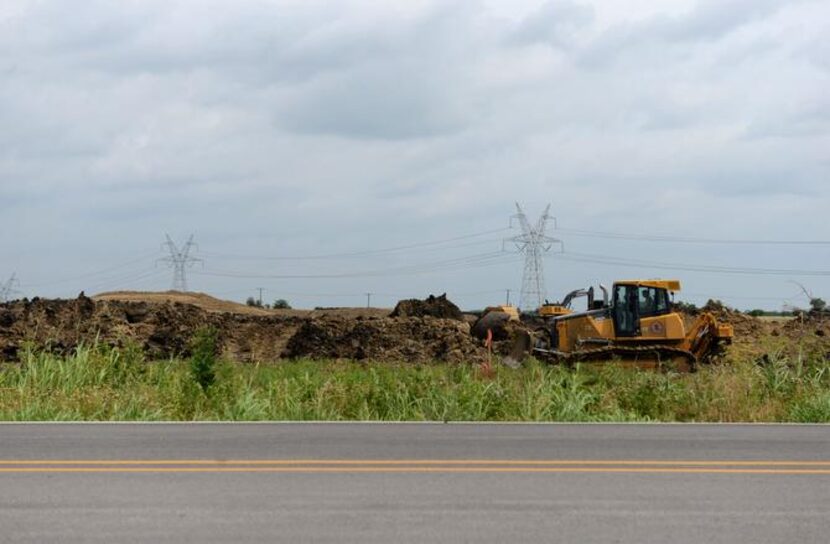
x=740, y=297
x=686, y=240
x=103, y=271
x=604, y=259
x=484, y=259
x=364, y=253
x=230, y=257
x=122, y=281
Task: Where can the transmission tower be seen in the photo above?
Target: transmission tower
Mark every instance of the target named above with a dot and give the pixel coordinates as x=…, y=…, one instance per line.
x=533, y=242
x=6, y=289
x=179, y=260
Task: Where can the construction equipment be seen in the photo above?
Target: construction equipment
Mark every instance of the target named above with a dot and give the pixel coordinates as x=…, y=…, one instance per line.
x=494, y=319
x=550, y=310
x=637, y=326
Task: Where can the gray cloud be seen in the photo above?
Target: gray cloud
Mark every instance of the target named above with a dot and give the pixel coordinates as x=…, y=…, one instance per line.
x=707, y=22
x=557, y=22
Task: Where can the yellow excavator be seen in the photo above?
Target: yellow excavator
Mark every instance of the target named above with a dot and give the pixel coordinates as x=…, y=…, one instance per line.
x=550, y=310
x=638, y=326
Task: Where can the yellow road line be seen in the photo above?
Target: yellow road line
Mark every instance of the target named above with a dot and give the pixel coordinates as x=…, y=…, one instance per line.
x=396, y=462
x=412, y=469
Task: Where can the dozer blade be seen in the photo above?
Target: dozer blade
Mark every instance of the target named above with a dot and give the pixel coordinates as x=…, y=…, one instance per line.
x=522, y=344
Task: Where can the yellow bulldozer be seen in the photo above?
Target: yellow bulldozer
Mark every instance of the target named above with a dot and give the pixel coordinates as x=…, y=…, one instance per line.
x=638, y=326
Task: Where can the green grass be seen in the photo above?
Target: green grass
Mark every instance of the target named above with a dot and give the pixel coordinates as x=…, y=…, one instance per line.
x=98, y=383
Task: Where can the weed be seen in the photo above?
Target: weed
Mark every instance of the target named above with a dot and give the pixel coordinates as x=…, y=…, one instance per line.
x=203, y=359
x=100, y=383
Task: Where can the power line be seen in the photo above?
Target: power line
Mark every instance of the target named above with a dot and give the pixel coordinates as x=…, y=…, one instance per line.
x=741, y=297
x=364, y=253
x=125, y=281
x=473, y=261
x=144, y=257
x=501, y=257
x=685, y=239
x=236, y=257
x=604, y=259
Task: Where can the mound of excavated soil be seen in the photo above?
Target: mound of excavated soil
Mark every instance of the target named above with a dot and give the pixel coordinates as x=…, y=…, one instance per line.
x=401, y=339
x=811, y=323
x=215, y=305
x=165, y=329
x=432, y=306
x=201, y=300
x=350, y=313
x=746, y=327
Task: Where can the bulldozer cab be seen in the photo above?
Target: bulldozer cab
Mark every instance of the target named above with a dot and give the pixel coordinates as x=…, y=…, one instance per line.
x=637, y=299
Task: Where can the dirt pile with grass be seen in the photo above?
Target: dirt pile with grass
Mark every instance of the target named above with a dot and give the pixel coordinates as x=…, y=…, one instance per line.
x=432, y=306
x=200, y=300
x=814, y=323
x=749, y=329
x=165, y=329
x=746, y=327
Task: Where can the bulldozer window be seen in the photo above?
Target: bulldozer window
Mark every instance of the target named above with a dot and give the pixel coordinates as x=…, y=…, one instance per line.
x=652, y=301
x=626, y=320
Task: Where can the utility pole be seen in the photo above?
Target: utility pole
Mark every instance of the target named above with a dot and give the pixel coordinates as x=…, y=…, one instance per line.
x=507, y=302
x=368, y=300
x=179, y=260
x=6, y=289
x=533, y=242
x=260, y=295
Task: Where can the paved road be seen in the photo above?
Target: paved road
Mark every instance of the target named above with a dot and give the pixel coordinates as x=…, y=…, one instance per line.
x=414, y=483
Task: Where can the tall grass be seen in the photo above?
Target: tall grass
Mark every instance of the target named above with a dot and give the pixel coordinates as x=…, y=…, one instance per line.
x=98, y=383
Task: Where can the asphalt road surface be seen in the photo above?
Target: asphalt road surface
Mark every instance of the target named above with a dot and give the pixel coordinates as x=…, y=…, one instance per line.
x=414, y=483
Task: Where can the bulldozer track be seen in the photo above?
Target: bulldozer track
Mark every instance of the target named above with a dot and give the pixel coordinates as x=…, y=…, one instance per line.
x=662, y=354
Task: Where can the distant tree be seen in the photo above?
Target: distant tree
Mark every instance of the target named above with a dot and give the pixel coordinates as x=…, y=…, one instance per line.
x=756, y=313
x=714, y=305
x=281, y=304
x=817, y=304
x=686, y=307
x=251, y=301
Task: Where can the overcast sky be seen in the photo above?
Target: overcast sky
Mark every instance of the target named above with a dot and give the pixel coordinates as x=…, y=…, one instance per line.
x=300, y=128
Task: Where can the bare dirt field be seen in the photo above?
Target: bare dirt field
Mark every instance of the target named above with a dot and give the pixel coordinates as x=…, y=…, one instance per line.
x=434, y=329
x=212, y=304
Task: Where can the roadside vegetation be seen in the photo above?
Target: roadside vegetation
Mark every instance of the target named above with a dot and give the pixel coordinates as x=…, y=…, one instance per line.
x=786, y=383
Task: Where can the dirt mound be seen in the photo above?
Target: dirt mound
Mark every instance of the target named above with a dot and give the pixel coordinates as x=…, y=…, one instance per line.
x=350, y=313
x=165, y=330
x=201, y=300
x=815, y=323
x=162, y=329
x=215, y=305
x=432, y=306
x=408, y=339
x=747, y=327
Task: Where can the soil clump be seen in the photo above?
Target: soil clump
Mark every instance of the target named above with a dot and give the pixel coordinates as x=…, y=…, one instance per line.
x=432, y=306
